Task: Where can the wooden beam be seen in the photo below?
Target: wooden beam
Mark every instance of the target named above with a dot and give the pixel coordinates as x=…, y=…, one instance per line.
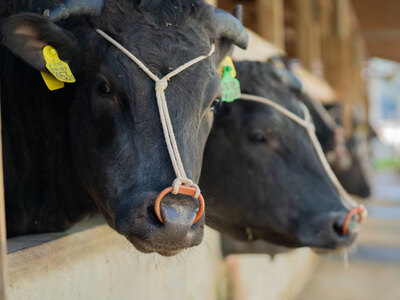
x=377, y=15
x=387, y=48
x=3, y=238
x=258, y=49
x=380, y=25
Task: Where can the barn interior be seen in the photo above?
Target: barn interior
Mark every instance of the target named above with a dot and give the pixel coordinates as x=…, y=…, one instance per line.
x=346, y=54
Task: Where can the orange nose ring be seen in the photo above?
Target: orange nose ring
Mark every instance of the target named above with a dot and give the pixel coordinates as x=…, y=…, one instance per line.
x=360, y=210
x=185, y=190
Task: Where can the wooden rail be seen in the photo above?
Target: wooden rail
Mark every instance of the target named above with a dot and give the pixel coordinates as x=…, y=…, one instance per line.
x=3, y=239
x=91, y=261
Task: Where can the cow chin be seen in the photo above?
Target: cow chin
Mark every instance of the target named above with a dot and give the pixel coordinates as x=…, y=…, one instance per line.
x=147, y=247
x=323, y=251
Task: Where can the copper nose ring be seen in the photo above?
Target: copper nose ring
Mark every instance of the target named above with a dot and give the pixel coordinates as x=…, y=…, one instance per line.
x=356, y=210
x=185, y=190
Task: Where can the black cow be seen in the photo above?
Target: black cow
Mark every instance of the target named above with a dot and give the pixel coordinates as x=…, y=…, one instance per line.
x=98, y=144
x=356, y=179
x=356, y=176
x=261, y=175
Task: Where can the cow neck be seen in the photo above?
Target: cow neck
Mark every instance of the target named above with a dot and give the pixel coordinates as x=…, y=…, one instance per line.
x=160, y=86
x=345, y=198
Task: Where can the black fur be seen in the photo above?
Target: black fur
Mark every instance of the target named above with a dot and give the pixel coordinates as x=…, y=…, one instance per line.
x=262, y=173
x=355, y=176
x=70, y=152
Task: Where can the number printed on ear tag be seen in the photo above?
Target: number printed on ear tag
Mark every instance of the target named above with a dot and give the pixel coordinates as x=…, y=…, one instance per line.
x=230, y=86
x=56, y=66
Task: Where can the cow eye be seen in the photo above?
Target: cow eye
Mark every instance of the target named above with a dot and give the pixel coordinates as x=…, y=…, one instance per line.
x=258, y=137
x=104, y=87
x=215, y=104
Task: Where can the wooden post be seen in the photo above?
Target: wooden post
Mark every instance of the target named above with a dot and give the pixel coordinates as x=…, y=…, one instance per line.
x=3, y=239
x=265, y=17
x=270, y=21
x=308, y=35
x=344, y=54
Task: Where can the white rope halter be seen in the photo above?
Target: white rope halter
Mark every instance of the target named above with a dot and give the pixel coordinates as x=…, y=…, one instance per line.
x=345, y=198
x=160, y=85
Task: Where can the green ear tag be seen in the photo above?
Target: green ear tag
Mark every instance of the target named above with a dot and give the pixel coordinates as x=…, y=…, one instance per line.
x=230, y=86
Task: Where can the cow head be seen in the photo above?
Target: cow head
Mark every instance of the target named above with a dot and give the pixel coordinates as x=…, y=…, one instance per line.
x=355, y=176
x=116, y=136
x=262, y=175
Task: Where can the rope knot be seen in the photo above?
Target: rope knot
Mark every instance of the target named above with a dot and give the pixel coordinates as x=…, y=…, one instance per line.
x=186, y=181
x=161, y=84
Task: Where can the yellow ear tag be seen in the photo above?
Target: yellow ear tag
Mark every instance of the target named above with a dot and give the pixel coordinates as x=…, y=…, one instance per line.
x=227, y=61
x=56, y=66
x=52, y=82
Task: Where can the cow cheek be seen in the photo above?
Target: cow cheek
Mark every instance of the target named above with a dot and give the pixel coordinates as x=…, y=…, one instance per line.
x=103, y=107
x=207, y=123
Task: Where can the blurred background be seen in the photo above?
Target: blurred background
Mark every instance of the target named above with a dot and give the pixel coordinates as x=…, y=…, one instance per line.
x=348, y=52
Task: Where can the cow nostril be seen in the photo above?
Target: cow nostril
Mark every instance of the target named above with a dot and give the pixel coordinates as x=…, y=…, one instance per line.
x=153, y=216
x=338, y=227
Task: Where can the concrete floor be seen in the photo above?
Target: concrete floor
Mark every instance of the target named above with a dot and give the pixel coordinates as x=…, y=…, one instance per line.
x=374, y=265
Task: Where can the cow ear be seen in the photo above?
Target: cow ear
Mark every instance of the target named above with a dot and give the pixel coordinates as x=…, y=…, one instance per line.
x=289, y=79
x=26, y=35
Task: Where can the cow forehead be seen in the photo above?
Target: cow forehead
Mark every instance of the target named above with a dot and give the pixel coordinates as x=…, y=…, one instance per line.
x=160, y=54
x=162, y=38
x=173, y=23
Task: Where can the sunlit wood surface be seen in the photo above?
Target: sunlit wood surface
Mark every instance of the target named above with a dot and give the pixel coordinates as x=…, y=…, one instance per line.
x=3, y=240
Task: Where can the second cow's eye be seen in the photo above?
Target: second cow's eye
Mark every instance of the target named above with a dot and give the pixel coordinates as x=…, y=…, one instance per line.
x=258, y=137
x=215, y=104
x=103, y=87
